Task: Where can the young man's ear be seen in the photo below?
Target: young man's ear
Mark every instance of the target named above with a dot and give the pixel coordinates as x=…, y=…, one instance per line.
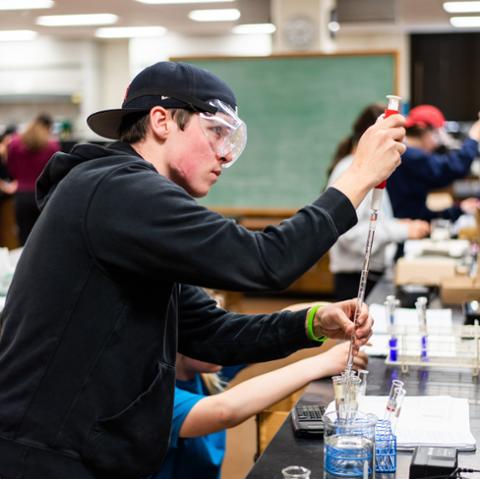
x=159, y=122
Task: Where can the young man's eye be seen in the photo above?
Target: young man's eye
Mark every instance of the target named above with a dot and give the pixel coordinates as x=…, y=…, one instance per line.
x=218, y=130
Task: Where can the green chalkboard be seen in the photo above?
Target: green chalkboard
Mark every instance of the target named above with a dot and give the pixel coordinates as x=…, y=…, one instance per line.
x=297, y=108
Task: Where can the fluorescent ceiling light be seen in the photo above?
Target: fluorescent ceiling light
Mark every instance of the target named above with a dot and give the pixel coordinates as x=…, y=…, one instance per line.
x=17, y=35
x=465, y=22
x=254, y=28
x=130, y=32
x=25, y=4
x=77, y=20
x=177, y=2
x=461, y=7
x=218, y=15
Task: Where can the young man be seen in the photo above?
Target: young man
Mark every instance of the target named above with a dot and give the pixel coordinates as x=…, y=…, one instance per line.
x=106, y=290
x=423, y=170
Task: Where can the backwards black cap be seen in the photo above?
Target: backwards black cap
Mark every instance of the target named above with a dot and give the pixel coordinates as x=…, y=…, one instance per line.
x=167, y=84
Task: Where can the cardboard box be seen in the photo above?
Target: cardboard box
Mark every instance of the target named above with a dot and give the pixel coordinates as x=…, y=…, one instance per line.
x=459, y=289
x=428, y=271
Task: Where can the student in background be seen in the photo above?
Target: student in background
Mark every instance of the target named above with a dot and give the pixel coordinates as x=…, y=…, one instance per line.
x=422, y=170
x=203, y=410
x=7, y=186
x=28, y=153
x=347, y=254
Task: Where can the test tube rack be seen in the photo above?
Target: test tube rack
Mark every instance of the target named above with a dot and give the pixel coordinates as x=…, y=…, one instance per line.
x=385, y=447
x=455, y=347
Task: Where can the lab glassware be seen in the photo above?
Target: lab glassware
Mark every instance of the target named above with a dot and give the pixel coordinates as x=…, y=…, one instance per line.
x=296, y=472
x=349, y=445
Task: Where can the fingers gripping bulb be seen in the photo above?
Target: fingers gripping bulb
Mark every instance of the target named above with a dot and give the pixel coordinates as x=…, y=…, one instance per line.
x=393, y=107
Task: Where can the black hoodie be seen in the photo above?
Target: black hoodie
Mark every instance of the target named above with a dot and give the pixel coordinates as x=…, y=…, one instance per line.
x=102, y=298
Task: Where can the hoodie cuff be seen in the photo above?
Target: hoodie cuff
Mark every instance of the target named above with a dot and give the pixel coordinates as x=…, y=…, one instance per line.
x=293, y=334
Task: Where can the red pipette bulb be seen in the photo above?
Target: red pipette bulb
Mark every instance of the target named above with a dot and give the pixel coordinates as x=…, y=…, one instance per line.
x=393, y=107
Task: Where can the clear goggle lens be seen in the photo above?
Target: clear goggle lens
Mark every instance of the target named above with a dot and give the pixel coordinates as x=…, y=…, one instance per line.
x=225, y=131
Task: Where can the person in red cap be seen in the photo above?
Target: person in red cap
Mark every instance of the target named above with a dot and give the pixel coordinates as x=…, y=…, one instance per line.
x=423, y=170
x=109, y=286
x=424, y=116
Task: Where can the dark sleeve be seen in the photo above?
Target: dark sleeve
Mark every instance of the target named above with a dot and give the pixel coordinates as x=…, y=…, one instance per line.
x=452, y=213
x=440, y=170
x=141, y=223
x=229, y=372
x=212, y=334
x=3, y=172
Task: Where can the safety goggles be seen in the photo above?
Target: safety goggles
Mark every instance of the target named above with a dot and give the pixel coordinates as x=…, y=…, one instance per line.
x=225, y=131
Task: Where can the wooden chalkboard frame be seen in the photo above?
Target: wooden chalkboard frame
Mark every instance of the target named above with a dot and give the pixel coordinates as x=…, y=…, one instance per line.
x=394, y=53
x=285, y=211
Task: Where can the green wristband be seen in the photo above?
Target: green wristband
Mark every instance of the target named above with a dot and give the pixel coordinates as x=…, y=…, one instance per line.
x=310, y=317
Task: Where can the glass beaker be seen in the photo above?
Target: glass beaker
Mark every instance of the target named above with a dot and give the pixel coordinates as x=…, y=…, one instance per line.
x=349, y=445
x=440, y=229
x=296, y=472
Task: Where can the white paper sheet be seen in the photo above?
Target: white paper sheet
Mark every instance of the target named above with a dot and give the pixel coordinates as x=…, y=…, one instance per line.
x=426, y=420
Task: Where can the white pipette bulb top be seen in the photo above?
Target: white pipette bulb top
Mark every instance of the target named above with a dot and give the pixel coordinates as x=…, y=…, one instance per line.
x=393, y=102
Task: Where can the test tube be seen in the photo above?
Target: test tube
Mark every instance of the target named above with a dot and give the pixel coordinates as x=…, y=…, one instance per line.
x=395, y=391
x=351, y=397
x=362, y=374
x=390, y=305
x=398, y=408
x=339, y=394
x=421, y=306
x=346, y=397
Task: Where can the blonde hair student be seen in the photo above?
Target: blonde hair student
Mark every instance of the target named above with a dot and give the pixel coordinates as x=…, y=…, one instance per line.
x=202, y=413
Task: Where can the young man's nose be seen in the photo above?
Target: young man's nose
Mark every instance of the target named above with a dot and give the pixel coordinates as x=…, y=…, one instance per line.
x=226, y=157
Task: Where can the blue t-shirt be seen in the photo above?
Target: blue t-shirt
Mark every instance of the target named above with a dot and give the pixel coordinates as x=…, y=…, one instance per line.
x=198, y=457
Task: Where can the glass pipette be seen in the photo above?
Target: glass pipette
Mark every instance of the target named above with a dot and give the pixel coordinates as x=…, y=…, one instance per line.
x=393, y=107
x=421, y=306
x=391, y=304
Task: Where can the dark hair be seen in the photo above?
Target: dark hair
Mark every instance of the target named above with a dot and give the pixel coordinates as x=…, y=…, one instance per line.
x=417, y=131
x=44, y=119
x=10, y=130
x=367, y=118
x=134, y=127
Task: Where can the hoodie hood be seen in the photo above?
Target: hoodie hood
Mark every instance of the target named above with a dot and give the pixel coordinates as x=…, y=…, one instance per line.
x=60, y=165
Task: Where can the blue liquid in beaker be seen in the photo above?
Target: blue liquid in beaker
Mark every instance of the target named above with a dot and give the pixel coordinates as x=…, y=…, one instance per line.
x=345, y=456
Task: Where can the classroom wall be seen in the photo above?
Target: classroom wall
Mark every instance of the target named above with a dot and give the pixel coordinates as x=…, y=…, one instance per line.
x=144, y=51
x=114, y=72
x=348, y=38
x=352, y=41
x=72, y=78
x=315, y=12
x=48, y=74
